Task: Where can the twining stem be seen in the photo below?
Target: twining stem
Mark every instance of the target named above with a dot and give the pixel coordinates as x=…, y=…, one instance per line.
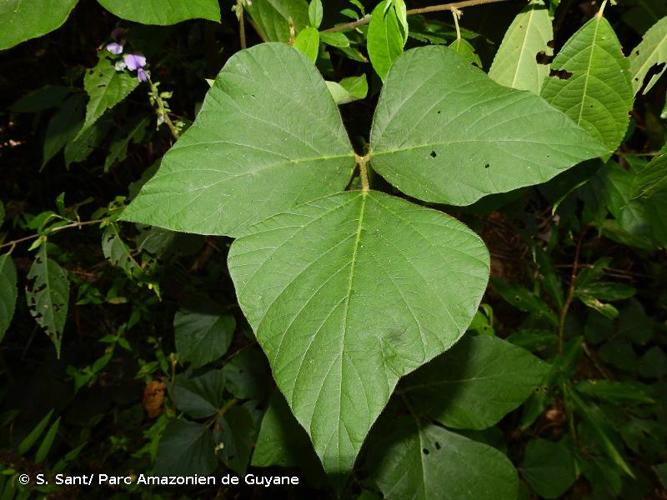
x=411, y=12
x=79, y=224
x=362, y=161
x=570, y=293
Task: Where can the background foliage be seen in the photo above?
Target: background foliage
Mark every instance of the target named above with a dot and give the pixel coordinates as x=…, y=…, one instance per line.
x=129, y=348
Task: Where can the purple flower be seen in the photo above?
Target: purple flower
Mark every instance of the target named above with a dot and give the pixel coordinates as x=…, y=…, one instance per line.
x=115, y=48
x=134, y=61
x=142, y=75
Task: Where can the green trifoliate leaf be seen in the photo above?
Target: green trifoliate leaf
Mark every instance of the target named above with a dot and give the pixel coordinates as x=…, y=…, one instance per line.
x=385, y=39
x=308, y=42
x=268, y=136
x=651, y=51
x=22, y=20
x=465, y=49
x=163, y=12
x=349, y=89
x=48, y=295
x=548, y=467
x=348, y=293
x=278, y=20
x=476, y=383
x=424, y=462
x=185, y=448
x=591, y=82
x=202, y=337
x=445, y=132
x=8, y=292
x=105, y=87
x=516, y=63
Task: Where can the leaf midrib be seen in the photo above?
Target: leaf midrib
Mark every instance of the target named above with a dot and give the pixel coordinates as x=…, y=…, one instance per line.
x=588, y=69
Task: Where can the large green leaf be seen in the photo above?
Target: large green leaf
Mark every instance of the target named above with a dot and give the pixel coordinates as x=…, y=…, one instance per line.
x=348, y=293
x=385, y=39
x=421, y=461
x=7, y=292
x=22, y=20
x=273, y=19
x=516, y=63
x=48, y=296
x=476, y=383
x=163, y=12
x=445, y=132
x=202, y=337
x=105, y=87
x=591, y=82
x=651, y=51
x=268, y=136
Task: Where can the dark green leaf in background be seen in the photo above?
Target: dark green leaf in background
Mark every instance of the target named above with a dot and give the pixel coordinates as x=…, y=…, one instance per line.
x=202, y=337
x=186, y=448
x=475, y=383
x=421, y=461
x=8, y=292
x=548, y=467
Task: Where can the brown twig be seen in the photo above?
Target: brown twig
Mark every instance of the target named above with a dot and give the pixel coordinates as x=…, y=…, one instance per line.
x=411, y=12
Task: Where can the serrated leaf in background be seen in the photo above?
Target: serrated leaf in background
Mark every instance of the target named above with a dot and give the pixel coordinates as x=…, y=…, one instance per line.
x=106, y=87
x=651, y=52
x=444, y=132
x=269, y=136
x=48, y=295
x=516, y=63
x=355, y=290
x=591, y=83
x=163, y=12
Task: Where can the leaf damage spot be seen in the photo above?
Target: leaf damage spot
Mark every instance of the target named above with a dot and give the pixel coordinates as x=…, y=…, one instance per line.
x=561, y=74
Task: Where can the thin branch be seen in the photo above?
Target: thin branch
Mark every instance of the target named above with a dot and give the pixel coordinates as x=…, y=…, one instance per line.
x=570, y=294
x=411, y=12
x=13, y=243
